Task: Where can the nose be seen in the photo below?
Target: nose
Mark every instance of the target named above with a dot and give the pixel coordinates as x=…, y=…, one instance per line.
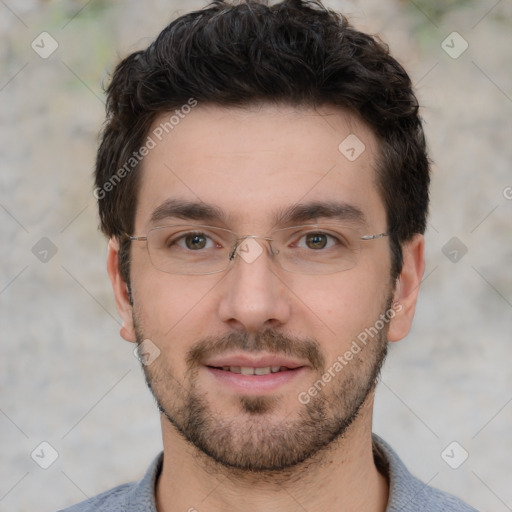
x=253, y=294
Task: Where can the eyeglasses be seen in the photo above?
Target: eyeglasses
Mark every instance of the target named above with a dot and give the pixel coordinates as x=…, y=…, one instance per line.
x=324, y=248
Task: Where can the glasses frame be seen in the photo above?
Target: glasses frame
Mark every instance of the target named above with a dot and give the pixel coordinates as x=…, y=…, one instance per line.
x=237, y=241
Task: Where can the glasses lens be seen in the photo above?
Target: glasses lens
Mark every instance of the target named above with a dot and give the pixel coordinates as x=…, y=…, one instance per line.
x=317, y=249
x=308, y=249
x=190, y=249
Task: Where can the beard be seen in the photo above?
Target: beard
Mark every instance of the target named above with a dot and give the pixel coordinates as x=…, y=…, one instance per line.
x=254, y=440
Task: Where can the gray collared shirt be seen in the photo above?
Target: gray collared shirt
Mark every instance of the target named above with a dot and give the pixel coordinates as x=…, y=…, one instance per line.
x=406, y=492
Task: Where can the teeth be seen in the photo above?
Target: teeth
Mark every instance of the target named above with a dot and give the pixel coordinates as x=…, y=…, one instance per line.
x=247, y=370
x=262, y=371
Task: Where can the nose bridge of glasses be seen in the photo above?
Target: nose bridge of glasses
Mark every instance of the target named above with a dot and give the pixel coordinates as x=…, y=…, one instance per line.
x=249, y=247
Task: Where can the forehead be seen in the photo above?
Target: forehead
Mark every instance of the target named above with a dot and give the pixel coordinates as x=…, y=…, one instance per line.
x=253, y=165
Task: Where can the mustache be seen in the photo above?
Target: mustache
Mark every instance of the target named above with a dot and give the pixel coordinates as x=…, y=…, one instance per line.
x=266, y=341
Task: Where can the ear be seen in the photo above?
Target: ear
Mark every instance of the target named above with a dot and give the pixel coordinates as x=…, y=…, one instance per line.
x=121, y=292
x=407, y=288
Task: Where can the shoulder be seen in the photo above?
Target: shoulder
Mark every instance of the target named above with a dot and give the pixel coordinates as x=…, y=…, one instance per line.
x=435, y=500
x=113, y=500
x=132, y=497
x=406, y=492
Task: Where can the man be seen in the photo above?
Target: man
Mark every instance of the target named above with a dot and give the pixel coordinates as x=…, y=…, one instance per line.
x=263, y=181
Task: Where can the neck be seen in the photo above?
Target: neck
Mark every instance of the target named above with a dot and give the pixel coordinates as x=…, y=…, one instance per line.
x=341, y=477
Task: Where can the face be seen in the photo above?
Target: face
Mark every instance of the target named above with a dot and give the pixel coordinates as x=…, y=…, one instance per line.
x=261, y=368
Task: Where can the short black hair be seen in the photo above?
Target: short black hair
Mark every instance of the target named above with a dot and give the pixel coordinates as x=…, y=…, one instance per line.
x=295, y=52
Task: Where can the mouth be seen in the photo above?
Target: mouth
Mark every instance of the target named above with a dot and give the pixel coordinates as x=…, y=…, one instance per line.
x=258, y=375
x=249, y=370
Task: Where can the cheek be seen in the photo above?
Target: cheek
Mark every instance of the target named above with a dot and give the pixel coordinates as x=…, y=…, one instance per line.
x=169, y=306
x=344, y=305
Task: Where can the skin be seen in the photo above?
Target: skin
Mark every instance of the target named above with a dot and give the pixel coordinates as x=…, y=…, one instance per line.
x=250, y=162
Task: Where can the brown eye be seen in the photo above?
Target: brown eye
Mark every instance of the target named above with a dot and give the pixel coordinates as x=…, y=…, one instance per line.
x=195, y=242
x=316, y=241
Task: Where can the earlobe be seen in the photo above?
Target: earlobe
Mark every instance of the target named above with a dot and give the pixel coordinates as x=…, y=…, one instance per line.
x=407, y=288
x=122, y=292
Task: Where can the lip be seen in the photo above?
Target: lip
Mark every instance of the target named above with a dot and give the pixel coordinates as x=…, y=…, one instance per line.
x=254, y=361
x=254, y=385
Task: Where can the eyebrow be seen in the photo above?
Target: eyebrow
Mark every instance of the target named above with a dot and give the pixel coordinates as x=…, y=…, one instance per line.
x=335, y=210
x=187, y=210
x=302, y=212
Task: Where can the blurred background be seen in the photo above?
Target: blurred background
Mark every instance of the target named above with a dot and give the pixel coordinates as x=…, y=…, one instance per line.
x=68, y=380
